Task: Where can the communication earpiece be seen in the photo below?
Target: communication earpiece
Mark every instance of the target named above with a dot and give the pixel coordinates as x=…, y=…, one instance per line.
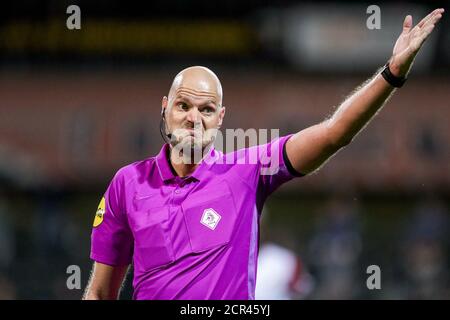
x=162, y=127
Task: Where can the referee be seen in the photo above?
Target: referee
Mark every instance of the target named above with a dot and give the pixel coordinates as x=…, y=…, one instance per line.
x=191, y=228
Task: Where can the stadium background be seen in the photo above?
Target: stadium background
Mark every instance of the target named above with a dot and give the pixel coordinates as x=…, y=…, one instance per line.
x=76, y=105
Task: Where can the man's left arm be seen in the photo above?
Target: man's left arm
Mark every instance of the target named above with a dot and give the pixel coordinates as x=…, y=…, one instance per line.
x=308, y=149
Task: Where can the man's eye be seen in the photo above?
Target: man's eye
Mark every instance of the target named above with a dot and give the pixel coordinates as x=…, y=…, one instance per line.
x=183, y=106
x=208, y=110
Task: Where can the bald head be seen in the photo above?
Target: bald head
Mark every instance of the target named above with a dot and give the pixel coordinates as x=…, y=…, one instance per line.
x=197, y=80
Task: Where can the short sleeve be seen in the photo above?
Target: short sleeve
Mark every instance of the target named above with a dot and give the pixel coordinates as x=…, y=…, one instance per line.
x=111, y=237
x=275, y=167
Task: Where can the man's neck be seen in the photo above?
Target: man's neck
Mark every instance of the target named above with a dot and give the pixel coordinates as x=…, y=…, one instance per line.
x=182, y=170
x=184, y=167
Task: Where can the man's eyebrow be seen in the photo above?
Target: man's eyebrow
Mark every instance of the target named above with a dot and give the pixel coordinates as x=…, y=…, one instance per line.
x=184, y=98
x=209, y=103
x=187, y=99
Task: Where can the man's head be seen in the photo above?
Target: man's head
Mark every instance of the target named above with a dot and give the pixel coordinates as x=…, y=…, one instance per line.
x=193, y=108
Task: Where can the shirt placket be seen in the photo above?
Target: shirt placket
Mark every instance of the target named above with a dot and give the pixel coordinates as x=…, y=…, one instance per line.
x=180, y=191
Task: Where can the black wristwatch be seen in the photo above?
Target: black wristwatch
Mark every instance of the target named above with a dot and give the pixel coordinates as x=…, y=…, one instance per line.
x=391, y=79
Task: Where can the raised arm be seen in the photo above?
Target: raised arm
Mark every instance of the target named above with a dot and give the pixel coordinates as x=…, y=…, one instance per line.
x=105, y=282
x=308, y=149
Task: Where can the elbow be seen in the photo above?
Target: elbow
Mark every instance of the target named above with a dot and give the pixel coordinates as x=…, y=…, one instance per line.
x=342, y=142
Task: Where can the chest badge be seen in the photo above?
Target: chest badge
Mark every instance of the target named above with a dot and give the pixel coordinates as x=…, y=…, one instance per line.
x=210, y=218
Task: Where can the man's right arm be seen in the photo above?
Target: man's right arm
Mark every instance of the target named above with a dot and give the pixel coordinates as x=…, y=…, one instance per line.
x=105, y=282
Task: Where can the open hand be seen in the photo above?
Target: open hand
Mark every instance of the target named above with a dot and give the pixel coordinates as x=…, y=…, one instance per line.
x=410, y=41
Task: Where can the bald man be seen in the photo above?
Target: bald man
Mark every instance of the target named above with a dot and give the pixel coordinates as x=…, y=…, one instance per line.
x=189, y=226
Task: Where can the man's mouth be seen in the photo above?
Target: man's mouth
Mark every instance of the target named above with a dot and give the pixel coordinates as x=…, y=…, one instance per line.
x=192, y=131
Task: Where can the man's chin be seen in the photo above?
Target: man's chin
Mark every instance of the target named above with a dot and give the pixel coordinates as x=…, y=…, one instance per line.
x=189, y=143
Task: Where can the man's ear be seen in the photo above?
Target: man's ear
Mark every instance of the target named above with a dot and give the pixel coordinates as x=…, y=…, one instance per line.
x=163, y=104
x=221, y=115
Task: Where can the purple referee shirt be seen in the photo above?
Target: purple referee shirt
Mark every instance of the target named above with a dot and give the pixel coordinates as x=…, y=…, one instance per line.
x=195, y=237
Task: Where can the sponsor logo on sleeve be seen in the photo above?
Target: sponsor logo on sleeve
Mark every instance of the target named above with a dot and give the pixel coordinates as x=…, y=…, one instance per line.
x=100, y=213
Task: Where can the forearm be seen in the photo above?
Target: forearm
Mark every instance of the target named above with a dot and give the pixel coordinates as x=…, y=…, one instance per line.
x=98, y=295
x=105, y=282
x=95, y=292
x=308, y=149
x=358, y=109
x=90, y=295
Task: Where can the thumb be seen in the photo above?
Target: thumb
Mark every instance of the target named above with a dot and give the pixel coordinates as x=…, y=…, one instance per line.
x=407, y=24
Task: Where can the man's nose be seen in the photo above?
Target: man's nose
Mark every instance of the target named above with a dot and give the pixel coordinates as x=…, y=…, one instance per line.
x=193, y=115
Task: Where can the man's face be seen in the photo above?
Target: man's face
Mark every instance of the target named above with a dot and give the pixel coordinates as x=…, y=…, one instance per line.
x=193, y=109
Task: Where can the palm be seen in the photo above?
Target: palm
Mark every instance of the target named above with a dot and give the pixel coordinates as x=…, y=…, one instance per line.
x=411, y=39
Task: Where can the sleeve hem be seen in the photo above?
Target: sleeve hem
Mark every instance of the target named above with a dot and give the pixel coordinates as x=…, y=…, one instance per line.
x=288, y=163
x=108, y=261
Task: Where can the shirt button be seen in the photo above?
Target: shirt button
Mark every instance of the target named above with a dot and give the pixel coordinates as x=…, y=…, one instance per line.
x=177, y=191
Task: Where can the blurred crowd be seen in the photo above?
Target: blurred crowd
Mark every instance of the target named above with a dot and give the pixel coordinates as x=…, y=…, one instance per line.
x=329, y=261
x=412, y=254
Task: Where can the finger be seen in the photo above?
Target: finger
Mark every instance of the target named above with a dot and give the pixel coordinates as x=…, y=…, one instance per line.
x=425, y=19
x=427, y=28
x=429, y=25
x=407, y=23
x=429, y=16
x=432, y=21
x=435, y=18
x=425, y=34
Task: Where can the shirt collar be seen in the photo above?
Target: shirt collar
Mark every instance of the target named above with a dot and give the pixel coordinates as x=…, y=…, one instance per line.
x=162, y=162
x=167, y=173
